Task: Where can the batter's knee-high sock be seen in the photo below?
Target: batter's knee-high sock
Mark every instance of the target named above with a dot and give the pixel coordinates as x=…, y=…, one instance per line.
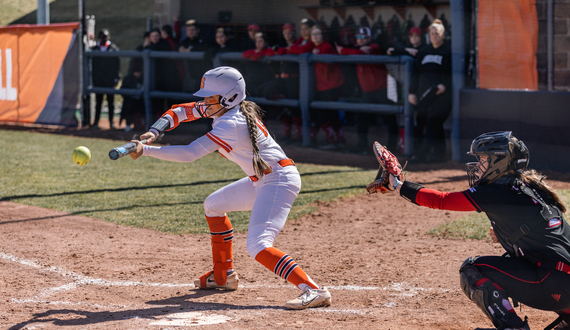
x=283, y=265
x=222, y=247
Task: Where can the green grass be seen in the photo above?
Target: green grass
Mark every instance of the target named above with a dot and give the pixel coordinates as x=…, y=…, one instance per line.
x=37, y=169
x=476, y=225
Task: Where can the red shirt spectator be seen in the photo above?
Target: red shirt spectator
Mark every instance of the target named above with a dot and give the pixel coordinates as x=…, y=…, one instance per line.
x=304, y=43
x=370, y=76
x=327, y=75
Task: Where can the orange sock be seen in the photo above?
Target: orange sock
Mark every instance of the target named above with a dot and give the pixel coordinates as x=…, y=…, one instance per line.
x=283, y=265
x=222, y=247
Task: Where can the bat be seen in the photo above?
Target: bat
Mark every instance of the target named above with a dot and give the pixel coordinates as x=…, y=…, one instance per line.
x=123, y=150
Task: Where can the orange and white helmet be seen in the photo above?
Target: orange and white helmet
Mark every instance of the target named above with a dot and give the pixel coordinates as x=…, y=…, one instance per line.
x=226, y=82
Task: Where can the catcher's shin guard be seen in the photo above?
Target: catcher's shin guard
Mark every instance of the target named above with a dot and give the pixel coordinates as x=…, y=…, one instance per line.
x=492, y=300
x=286, y=267
x=222, y=247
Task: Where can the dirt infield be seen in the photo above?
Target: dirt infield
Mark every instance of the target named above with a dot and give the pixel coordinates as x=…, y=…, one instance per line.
x=372, y=252
x=383, y=271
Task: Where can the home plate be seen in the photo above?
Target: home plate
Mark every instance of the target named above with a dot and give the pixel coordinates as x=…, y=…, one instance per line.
x=191, y=318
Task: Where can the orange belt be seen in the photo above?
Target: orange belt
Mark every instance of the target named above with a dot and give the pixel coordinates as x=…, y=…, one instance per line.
x=282, y=163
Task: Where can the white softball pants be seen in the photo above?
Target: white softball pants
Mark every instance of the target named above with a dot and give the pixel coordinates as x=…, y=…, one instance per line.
x=269, y=199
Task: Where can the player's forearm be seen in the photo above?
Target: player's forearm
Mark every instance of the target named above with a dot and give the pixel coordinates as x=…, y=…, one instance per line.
x=187, y=153
x=434, y=199
x=172, y=118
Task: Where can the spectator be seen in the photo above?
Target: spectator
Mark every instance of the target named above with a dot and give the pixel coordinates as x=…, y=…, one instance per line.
x=166, y=73
x=373, y=82
x=258, y=74
x=411, y=47
x=249, y=42
x=329, y=81
x=105, y=73
x=146, y=41
x=167, y=34
x=192, y=42
x=430, y=90
x=222, y=44
x=414, y=44
x=133, y=110
x=304, y=43
x=193, y=68
x=286, y=84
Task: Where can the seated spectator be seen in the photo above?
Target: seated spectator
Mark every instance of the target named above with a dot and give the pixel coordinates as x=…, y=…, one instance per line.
x=258, y=73
x=329, y=81
x=249, y=42
x=373, y=82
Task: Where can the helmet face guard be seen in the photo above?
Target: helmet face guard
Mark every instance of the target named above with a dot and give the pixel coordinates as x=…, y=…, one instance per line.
x=202, y=108
x=505, y=153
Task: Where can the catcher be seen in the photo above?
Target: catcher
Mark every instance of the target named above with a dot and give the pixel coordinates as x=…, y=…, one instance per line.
x=527, y=220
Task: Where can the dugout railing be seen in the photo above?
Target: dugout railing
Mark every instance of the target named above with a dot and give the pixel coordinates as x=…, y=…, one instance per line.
x=306, y=84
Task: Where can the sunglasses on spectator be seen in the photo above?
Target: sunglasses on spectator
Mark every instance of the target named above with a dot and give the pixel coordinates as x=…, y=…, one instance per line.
x=361, y=37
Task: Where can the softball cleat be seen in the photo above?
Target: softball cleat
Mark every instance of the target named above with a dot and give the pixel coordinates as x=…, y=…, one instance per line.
x=310, y=298
x=207, y=282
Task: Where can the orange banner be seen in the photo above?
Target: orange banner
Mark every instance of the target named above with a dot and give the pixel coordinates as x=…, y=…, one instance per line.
x=507, y=38
x=31, y=57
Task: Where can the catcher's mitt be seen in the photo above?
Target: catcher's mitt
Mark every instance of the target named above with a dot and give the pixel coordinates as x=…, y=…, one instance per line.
x=388, y=165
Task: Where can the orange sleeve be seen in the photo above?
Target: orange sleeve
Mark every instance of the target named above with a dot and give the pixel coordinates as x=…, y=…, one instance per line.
x=188, y=109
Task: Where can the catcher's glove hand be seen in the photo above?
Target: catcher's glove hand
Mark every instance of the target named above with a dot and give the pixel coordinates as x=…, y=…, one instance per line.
x=389, y=165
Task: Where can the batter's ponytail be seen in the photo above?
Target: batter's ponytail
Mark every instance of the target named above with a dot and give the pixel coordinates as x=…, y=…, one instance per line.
x=536, y=181
x=252, y=112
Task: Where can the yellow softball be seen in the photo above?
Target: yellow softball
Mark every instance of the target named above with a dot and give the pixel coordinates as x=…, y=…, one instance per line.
x=81, y=155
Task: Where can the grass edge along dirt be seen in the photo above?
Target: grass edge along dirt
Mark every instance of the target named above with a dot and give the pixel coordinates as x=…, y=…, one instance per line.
x=37, y=170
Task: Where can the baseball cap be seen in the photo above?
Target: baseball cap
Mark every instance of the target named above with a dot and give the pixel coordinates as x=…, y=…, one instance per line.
x=190, y=22
x=364, y=31
x=253, y=27
x=288, y=26
x=415, y=30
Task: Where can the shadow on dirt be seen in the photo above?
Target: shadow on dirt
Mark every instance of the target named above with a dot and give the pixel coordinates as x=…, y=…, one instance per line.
x=173, y=305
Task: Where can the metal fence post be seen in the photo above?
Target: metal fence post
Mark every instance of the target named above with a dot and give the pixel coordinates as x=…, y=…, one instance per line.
x=408, y=110
x=147, y=81
x=305, y=88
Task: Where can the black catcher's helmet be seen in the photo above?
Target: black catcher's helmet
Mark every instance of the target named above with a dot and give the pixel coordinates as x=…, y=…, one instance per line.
x=505, y=152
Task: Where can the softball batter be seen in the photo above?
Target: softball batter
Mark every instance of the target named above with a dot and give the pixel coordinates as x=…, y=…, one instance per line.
x=269, y=190
x=527, y=219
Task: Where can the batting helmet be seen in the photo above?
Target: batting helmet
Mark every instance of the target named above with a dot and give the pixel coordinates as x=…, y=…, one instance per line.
x=505, y=153
x=226, y=82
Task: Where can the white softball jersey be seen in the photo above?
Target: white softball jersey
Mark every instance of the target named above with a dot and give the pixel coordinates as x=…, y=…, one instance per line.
x=269, y=199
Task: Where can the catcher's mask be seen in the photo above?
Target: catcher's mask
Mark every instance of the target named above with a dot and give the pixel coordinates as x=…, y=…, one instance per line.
x=226, y=82
x=505, y=153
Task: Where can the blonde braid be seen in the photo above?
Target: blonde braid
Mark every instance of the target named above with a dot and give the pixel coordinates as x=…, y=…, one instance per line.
x=251, y=111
